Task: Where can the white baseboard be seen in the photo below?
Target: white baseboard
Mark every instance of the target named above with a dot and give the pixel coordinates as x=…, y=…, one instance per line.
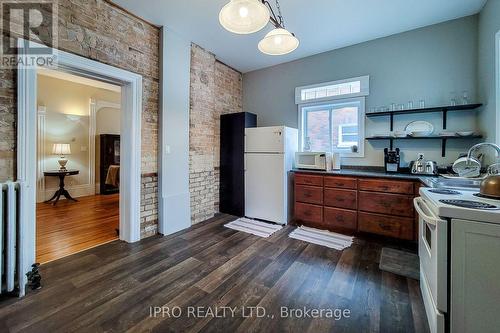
x=75, y=191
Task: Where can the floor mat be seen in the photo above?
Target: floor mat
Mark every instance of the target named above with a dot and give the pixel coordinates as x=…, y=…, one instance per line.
x=400, y=262
x=322, y=237
x=257, y=228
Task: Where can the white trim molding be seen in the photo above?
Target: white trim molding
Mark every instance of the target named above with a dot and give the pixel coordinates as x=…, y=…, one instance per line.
x=497, y=76
x=41, y=115
x=364, y=90
x=130, y=172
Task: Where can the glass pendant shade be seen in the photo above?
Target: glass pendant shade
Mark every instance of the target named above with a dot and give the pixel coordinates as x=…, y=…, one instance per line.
x=278, y=42
x=244, y=16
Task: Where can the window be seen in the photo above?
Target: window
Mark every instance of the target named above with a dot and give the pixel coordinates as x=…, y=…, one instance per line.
x=334, y=126
x=359, y=86
x=348, y=135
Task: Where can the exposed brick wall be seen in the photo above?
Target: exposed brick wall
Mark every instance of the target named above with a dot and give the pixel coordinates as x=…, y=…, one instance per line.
x=149, y=205
x=98, y=30
x=215, y=89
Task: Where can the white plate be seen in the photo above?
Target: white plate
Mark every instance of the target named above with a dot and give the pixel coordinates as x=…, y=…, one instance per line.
x=419, y=128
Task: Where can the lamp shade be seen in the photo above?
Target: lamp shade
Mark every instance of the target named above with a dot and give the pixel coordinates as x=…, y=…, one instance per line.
x=244, y=16
x=278, y=42
x=61, y=149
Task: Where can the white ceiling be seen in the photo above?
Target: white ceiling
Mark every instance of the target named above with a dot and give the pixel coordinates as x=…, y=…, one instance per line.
x=321, y=25
x=77, y=79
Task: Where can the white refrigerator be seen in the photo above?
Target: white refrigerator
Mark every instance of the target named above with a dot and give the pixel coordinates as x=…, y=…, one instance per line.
x=269, y=156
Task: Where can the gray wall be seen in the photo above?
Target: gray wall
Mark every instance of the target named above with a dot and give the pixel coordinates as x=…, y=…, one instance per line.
x=427, y=63
x=489, y=26
x=173, y=150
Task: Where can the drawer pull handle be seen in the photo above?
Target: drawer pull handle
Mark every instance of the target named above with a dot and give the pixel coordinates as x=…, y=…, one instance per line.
x=339, y=219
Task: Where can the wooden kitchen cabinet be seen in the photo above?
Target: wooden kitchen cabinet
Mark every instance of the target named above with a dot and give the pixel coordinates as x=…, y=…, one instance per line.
x=392, y=226
x=386, y=203
x=309, y=194
x=349, y=204
x=341, y=182
x=309, y=213
x=386, y=186
x=341, y=198
x=340, y=219
x=313, y=180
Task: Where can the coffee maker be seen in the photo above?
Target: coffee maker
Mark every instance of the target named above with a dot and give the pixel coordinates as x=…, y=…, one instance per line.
x=391, y=160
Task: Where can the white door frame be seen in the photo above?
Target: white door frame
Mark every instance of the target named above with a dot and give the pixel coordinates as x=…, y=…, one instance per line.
x=130, y=147
x=497, y=76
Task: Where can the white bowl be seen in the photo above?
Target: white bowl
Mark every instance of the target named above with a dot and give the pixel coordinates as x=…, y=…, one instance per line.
x=465, y=133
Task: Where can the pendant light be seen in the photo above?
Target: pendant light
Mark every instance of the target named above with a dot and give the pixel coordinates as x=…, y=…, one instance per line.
x=244, y=16
x=278, y=42
x=249, y=16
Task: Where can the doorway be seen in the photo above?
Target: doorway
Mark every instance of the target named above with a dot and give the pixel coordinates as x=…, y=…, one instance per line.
x=78, y=163
x=130, y=144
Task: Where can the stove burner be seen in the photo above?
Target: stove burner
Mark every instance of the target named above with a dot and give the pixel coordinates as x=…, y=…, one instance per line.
x=479, y=195
x=469, y=204
x=444, y=191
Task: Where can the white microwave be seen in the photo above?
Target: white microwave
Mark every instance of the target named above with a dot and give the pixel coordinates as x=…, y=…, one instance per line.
x=313, y=160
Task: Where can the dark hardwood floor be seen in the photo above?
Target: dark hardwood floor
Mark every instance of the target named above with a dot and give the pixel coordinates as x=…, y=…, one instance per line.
x=113, y=287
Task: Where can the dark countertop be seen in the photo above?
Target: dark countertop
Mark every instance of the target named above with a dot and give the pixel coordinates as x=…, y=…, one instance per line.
x=374, y=172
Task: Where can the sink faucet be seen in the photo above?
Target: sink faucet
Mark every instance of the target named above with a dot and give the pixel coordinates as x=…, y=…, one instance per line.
x=479, y=145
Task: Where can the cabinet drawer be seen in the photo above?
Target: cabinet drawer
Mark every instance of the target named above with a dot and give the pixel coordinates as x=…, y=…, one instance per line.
x=340, y=219
x=308, y=213
x=386, y=186
x=341, y=182
x=383, y=203
x=309, y=194
x=313, y=180
x=398, y=227
x=340, y=198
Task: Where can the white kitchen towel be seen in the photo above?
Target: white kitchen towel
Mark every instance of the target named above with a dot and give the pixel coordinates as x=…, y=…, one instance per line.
x=257, y=228
x=322, y=237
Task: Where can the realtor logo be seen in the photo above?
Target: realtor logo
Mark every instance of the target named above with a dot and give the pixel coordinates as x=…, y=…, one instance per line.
x=29, y=33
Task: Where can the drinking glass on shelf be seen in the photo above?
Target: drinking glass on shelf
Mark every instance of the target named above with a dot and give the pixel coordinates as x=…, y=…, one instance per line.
x=401, y=107
x=393, y=106
x=465, y=97
x=410, y=105
x=453, y=99
x=421, y=103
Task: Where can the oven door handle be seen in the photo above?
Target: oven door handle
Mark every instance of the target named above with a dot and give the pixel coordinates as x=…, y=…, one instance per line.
x=419, y=204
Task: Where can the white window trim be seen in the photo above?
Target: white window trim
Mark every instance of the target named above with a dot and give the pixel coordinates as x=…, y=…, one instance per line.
x=364, y=90
x=361, y=131
x=341, y=132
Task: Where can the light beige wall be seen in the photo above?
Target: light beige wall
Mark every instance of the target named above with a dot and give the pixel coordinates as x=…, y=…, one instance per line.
x=67, y=120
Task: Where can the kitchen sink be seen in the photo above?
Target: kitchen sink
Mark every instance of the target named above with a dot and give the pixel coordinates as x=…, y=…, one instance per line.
x=457, y=183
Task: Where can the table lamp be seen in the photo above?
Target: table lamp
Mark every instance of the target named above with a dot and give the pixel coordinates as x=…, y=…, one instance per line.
x=61, y=149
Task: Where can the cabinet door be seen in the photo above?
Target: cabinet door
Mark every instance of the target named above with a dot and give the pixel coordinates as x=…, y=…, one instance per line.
x=475, y=277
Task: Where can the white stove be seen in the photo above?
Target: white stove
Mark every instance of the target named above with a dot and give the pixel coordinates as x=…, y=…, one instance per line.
x=459, y=245
x=445, y=203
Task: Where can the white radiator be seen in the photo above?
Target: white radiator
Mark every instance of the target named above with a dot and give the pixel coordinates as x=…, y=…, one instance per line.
x=12, y=258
